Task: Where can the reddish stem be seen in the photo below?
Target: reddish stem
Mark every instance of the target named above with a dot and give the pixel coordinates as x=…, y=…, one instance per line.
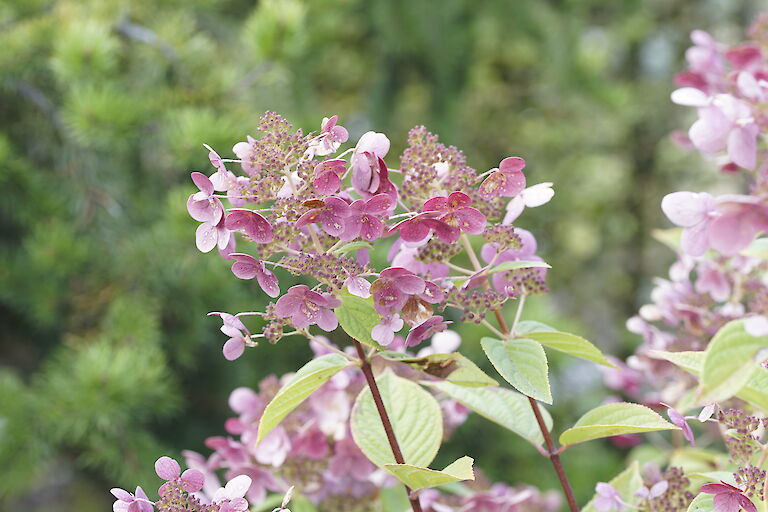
x=551, y=452
x=393, y=444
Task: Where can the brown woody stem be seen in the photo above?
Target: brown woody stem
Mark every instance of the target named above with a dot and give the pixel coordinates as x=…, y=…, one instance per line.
x=368, y=372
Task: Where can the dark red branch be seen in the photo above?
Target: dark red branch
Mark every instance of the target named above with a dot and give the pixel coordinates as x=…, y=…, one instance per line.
x=368, y=372
x=551, y=452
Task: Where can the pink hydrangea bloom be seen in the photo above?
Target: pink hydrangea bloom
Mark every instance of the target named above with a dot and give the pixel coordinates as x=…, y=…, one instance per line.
x=328, y=176
x=306, y=307
x=363, y=219
x=425, y=330
x=607, y=498
x=457, y=212
x=679, y=420
x=384, y=333
x=331, y=214
x=506, y=181
x=169, y=470
x=252, y=223
x=202, y=205
x=371, y=148
x=230, y=498
x=728, y=498
x=395, y=286
x=246, y=266
x=332, y=135
x=127, y=502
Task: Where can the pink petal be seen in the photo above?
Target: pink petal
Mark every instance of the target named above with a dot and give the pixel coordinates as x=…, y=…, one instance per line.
x=193, y=480
x=756, y=326
x=710, y=132
x=472, y=221
x=121, y=494
x=233, y=348
x=372, y=229
x=413, y=230
x=512, y=164
x=378, y=204
x=458, y=200
x=372, y=142
x=251, y=223
x=245, y=266
x=327, y=182
x=206, y=237
x=167, y=468
x=716, y=488
x=436, y=204
x=287, y=305
x=690, y=97
x=695, y=239
x=727, y=502
x=358, y=286
x=203, y=183
x=446, y=233
x=732, y=232
x=410, y=284
x=742, y=146
x=268, y=282
x=687, y=209
x=747, y=504
x=327, y=320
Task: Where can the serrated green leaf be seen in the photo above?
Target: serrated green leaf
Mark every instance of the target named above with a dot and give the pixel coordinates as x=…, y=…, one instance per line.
x=755, y=391
x=729, y=362
x=310, y=377
x=614, y=419
x=522, y=363
x=526, y=326
x=626, y=483
x=504, y=407
x=422, y=478
x=358, y=317
x=353, y=246
x=702, y=503
x=452, y=367
x=416, y=420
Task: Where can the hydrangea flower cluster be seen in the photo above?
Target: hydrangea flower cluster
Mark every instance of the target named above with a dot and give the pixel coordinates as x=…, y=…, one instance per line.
x=316, y=213
x=180, y=492
x=719, y=275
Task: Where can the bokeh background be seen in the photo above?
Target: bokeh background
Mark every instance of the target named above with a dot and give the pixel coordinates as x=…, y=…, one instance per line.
x=107, y=359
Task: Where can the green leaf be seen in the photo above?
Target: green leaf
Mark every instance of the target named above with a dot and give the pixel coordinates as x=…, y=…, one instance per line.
x=522, y=363
x=416, y=420
x=729, y=362
x=452, y=367
x=757, y=249
x=516, y=265
x=358, y=317
x=755, y=391
x=422, y=478
x=669, y=237
x=394, y=499
x=702, y=503
x=626, y=483
x=571, y=344
x=353, y=246
x=504, y=407
x=614, y=419
x=310, y=377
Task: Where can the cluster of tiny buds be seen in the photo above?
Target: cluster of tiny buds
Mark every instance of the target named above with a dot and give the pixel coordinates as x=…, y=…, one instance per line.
x=503, y=237
x=752, y=480
x=742, y=440
x=326, y=268
x=274, y=328
x=475, y=304
x=177, y=499
x=676, y=497
x=437, y=251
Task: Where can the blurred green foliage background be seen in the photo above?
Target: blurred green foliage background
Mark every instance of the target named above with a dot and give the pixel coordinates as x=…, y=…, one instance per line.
x=107, y=359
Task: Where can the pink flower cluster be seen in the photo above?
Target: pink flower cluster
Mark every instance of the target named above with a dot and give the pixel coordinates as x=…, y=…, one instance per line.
x=180, y=492
x=728, y=85
x=310, y=210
